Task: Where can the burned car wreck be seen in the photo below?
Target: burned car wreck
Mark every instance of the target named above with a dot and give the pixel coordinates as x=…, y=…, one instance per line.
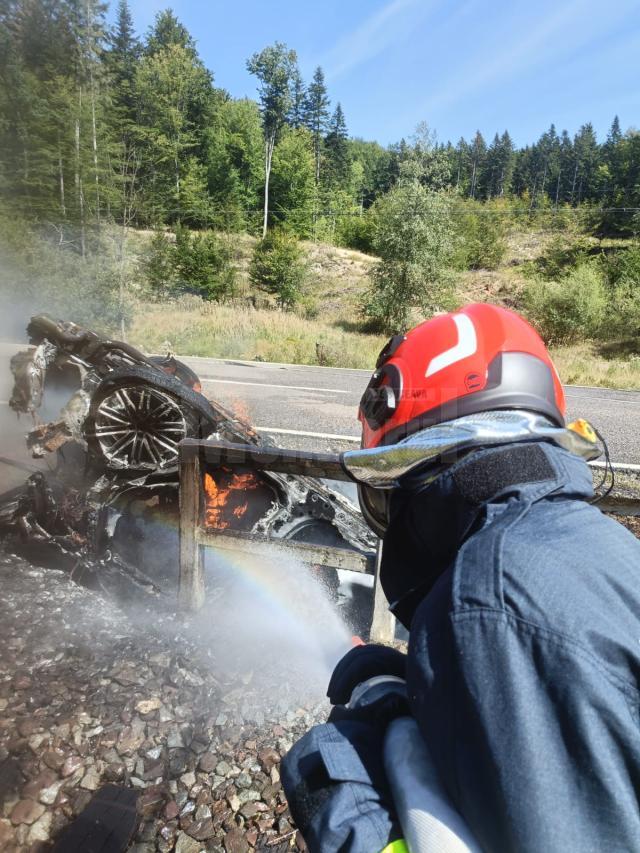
x=111, y=419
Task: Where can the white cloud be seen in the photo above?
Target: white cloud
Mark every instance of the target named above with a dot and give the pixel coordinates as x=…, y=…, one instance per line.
x=390, y=24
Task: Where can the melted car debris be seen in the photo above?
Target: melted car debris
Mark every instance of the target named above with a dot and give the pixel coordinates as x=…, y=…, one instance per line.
x=107, y=513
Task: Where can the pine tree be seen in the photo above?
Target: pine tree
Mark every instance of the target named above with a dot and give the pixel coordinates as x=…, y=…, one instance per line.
x=121, y=60
x=168, y=31
x=296, y=115
x=337, y=149
x=316, y=112
x=478, y=152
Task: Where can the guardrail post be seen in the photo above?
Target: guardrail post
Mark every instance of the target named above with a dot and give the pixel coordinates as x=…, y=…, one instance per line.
x=191, y=580
x=383, y=624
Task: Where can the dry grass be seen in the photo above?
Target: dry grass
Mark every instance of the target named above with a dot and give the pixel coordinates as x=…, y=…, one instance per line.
x=193, y=327
x=337, y=279
x=582, y=364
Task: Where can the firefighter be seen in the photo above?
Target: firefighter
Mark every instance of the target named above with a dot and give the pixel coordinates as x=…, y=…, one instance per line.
x=521, y=598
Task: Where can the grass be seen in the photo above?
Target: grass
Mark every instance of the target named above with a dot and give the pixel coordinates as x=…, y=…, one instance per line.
x=192, y=327
x=584, y=364
x=330, y=333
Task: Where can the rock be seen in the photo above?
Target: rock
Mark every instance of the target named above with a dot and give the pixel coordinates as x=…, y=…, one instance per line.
x=54, y=758
x=203, y=812
x=70, y=765
x=202, y=829
x=41, y=829
x=153, y=770
x=148, y=706
x=234, y=803
x=188, y=779
x=171, y=810
x=91, y=780
x=115, y=772
x=249, y=810
x=151, y=801
x=268, y=758
x=178, y=761
x=185, y=844
x=223, y=769
x=235, y=842
x=248, y=796
x=6, y=833
x=48, y=795
x=208, y=762
x=3, y=704
x=131, y=739
x=21, y=681
x=26, y=811
x=244, y=780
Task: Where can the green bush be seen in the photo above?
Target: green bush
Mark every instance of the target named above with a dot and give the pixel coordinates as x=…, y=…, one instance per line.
x=278, y=267
x=203, y=265
x=480, y=236
x=569, y=309
x=560, y=258
x=200, y=264
x=621, y=271
x=414, y=239
x=356, y=232
x=159, y=266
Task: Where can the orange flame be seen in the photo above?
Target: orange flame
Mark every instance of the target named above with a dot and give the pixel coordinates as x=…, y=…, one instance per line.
x=223, y=501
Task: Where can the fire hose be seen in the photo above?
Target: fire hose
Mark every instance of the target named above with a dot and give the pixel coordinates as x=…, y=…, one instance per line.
x=429, y=821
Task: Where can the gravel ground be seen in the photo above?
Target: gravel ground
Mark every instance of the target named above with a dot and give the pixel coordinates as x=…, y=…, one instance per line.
x=90, y=695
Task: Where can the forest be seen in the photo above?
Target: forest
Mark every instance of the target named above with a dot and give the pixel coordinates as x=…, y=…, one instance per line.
x=105, y=135
x=100, y=125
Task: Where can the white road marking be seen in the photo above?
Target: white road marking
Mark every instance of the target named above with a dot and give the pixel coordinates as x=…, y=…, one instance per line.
x=603, y=399
x=618, y=466
x=212, y=380
x=331, y=435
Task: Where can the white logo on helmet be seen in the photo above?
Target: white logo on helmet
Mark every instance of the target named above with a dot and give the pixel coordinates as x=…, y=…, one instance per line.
x=466, y=346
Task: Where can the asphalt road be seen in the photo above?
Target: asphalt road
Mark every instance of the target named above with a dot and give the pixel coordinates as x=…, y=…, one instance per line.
x=315, y=407
x=323, y=401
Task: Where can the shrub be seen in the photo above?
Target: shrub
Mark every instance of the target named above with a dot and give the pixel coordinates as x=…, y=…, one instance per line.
x=560, y=257
x=568, y=309
x=415, y=239
x=356, y=232
x=200, y=264
x=158, y=264
x=278, y=267
x=480, y=237
x=203, y=265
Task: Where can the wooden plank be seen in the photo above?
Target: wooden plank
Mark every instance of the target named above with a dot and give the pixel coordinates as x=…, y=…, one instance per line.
x=383, y=624
x=319, y=555
x=277, y=459
x=191, y=580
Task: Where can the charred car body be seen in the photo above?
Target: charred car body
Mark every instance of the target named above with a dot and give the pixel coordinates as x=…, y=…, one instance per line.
x=108, y=511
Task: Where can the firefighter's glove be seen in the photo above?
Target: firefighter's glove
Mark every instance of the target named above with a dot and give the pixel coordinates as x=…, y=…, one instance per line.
x=359, y=665
x=334, y=776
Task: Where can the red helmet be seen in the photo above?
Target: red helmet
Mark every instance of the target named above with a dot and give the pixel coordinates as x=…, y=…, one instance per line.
x=477, y=359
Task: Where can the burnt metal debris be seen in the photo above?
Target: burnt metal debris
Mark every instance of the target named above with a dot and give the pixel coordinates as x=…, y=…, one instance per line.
x=112, y=419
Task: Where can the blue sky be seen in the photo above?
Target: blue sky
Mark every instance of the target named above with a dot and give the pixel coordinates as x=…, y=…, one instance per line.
x=459, y=65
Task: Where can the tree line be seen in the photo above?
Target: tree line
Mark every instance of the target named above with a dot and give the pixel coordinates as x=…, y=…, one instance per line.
x=97, y=125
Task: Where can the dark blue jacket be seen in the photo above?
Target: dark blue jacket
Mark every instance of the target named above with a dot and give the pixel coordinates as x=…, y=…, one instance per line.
x=524, y=655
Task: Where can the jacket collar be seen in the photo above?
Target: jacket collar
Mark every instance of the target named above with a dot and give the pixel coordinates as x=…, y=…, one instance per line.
x=429, y=523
